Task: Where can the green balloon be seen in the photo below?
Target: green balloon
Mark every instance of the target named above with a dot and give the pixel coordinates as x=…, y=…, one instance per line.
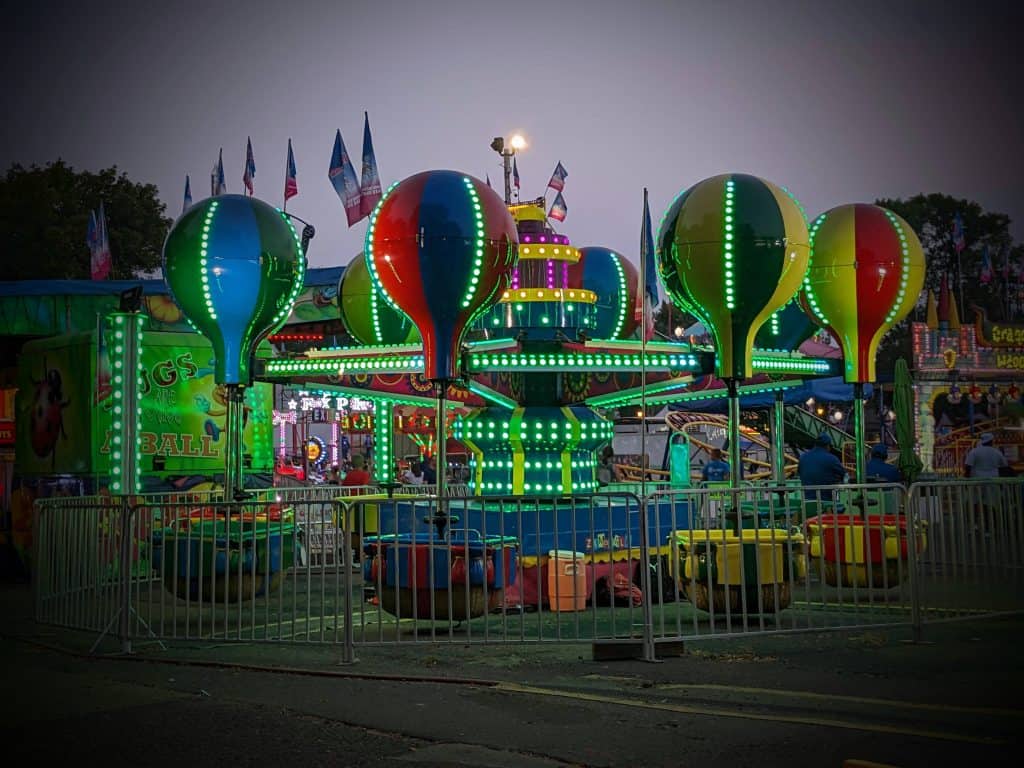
x=234, y=265
x=366, y=313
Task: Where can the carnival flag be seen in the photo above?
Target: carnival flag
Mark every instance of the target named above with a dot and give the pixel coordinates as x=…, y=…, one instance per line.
x=92, y=235
x=217, y=184
x=250, y=167
x=343, y=179
x=515, y=173
x=558, y=208
x=187, y=202
x=99, y=265
x=489, y=180
x=558, y=178
x=959, y=243
x=650, y=271
x=986, y=266
x=291, y=181
x=369, y=187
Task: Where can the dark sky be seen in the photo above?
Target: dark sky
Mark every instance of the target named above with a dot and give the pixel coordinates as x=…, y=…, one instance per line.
x=839, y=101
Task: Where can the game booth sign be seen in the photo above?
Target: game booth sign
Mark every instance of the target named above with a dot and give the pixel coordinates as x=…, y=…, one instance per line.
x=967, y=380
x=65, y=432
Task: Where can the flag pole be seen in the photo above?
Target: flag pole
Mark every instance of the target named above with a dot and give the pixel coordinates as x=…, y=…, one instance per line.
x=642, y=287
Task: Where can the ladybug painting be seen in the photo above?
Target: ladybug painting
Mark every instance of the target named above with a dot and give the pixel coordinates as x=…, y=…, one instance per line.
x=46, y=420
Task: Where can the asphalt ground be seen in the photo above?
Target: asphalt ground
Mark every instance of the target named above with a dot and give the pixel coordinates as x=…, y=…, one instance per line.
x=808, y=699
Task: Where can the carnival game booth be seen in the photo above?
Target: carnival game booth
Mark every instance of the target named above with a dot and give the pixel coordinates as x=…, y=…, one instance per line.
x=968, y=379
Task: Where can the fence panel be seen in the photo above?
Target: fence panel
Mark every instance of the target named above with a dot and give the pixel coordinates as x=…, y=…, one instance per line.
x=779, y=558
x=973, y=564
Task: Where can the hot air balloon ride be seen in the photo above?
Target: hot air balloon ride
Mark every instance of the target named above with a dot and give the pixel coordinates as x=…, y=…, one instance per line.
x=732, y=250
x=441, y=246
x=865, y=274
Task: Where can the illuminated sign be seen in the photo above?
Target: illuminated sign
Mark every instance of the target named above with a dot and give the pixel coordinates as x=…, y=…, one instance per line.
x=1010, y=362
x=6, y=432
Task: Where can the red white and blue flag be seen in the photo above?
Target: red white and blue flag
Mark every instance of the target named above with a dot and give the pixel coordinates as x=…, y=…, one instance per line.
x=343, y=178
x=186, y=203
x=515, y=173
x=250, y=167
x=369, y=188
x=100, y=260
x=650, y=281
x=959, y=242
x=291, y=181
x=558, y=178
x=558, y=208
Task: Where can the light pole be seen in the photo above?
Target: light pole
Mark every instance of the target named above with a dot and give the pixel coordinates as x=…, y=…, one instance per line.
x=515, y=143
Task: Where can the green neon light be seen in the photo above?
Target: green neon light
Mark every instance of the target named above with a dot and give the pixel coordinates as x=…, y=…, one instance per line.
x=637, y=393
x=370, y=260
x=382, y=414
x=811, y=298
x=792, y=365
x=127, y=386
x=490, y=395
x=589, y=361
x=204, y=274
x=727, y=247
x=478, y=246
x=905, y=266
x=620, y=321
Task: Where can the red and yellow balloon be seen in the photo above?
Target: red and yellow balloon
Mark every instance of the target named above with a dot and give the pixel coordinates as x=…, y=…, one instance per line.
x=866, y=272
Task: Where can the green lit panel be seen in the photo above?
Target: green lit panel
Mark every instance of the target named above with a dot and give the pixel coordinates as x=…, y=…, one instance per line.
x=803, y=365
x=541, y=318
x=344, y=366
x=582, y=361
x=542, y=471
x=752, y=389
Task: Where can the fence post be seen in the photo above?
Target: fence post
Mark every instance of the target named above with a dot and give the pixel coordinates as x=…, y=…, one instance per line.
x=125, y=563
x=913, y=519
x=348, y=655
x=650, y=653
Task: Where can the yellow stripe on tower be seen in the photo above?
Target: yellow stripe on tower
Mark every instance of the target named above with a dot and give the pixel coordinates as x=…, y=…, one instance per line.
x=570, y=444
x=515, y=440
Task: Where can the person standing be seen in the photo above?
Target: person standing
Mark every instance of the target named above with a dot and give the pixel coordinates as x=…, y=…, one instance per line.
x=984, y=460
x=878, y=468
x=358, y=475
x=819, y=466
x=430, y=471
x=717, y=470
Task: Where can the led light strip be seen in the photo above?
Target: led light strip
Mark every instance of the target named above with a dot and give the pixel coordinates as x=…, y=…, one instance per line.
x=811, y=298
x=478, y=245
x=905, y=269
x=370, y=261
x=528, y=295
x=204, y=273
x=727, y=236
x=620, y=321
x=565, y=253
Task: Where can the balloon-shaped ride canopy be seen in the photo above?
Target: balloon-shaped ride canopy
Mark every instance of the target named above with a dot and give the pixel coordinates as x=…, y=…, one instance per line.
x=613, y=279
x=866, y=272
x=732, y=249
x=367, y=315
x=234, y=265
x=442, y=246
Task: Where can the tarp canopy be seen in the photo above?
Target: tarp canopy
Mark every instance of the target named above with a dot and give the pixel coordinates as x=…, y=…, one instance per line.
x=830, y=390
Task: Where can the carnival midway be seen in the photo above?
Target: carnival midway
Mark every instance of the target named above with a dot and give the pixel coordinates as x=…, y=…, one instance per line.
x=470, y=432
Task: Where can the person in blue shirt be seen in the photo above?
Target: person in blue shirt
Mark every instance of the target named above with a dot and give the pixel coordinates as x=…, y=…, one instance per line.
x=879, y=469
x=819, y=466
x=717, y=469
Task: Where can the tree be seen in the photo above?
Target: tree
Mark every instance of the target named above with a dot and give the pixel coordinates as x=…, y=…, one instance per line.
x=44, y=215
x=931, y=217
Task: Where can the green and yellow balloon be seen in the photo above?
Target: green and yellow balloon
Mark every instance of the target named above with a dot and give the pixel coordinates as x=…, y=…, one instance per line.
x=733, y=249
x=365, y=310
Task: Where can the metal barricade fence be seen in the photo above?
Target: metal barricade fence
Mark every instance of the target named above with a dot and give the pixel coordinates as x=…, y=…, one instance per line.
x=356, y=566
x=498, y=570
x=779, y=559
x=973, y=564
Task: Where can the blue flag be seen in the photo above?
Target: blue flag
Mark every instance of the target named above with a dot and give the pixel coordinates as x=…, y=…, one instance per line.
x=369, y=189
x=649, y=269
x=343, y=179
x=515, y=173
x=187, y=202
x=986, y=267
x=91, y=235
x=959, y=242
x=250, y=167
